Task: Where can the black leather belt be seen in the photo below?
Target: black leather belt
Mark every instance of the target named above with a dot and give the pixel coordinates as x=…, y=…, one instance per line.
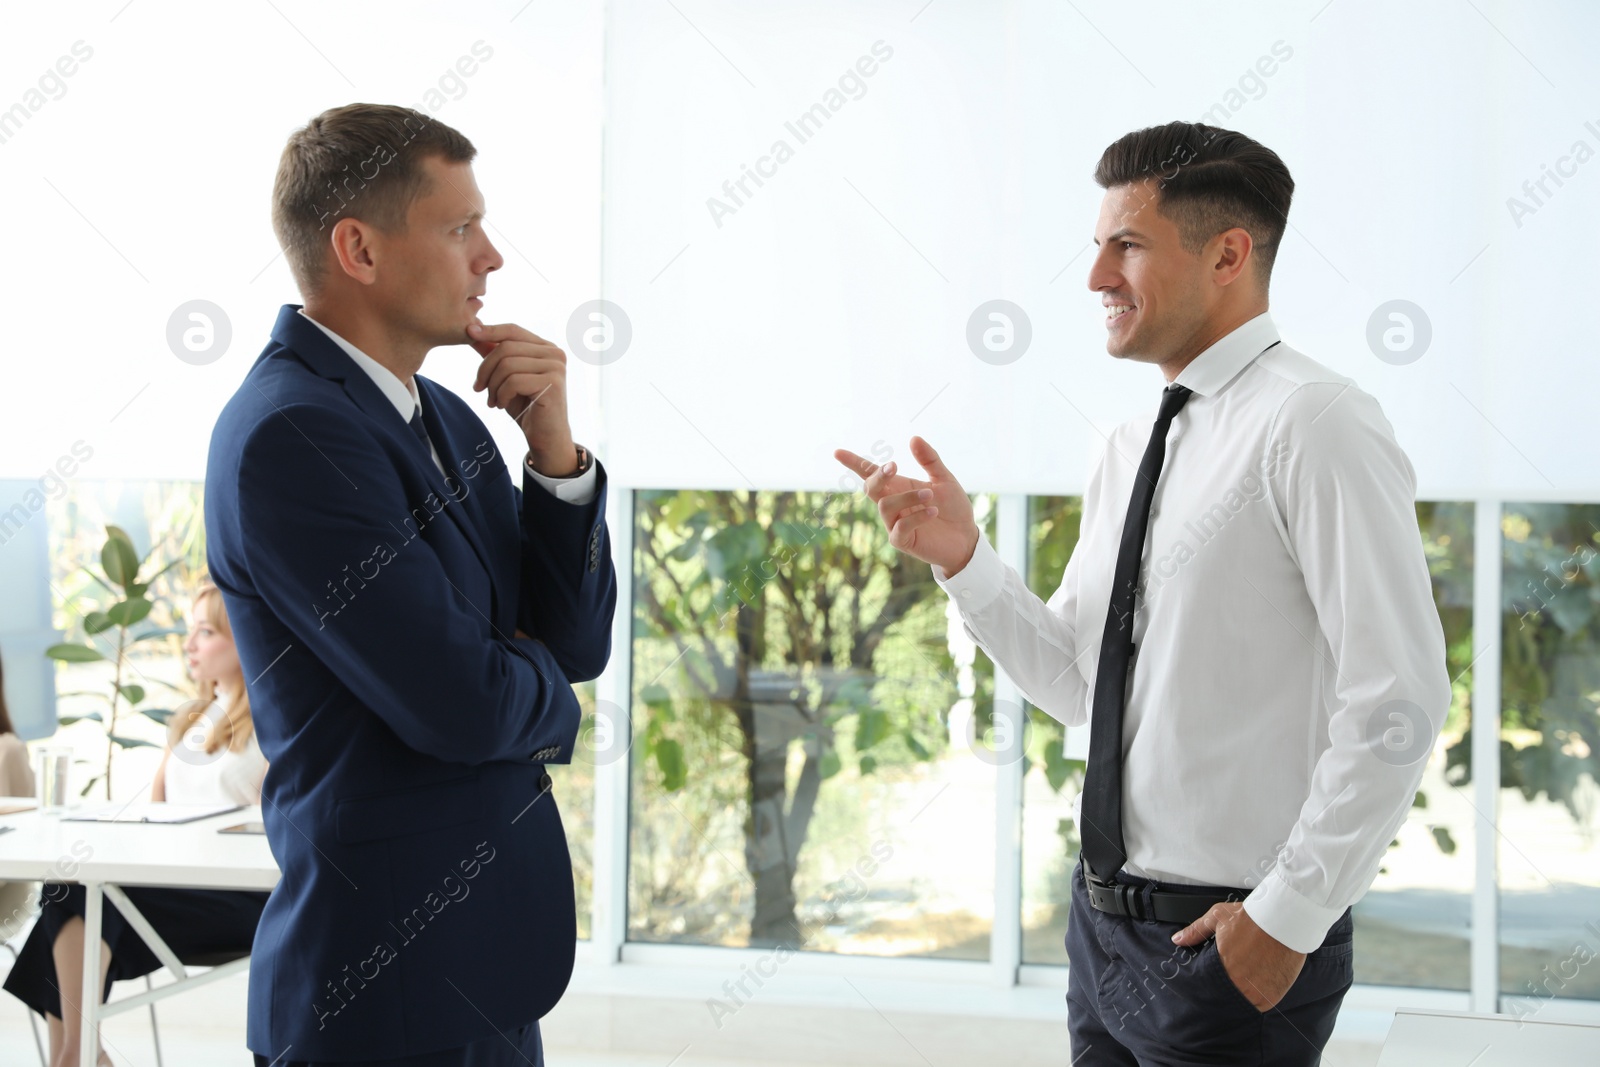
x=1161, y=905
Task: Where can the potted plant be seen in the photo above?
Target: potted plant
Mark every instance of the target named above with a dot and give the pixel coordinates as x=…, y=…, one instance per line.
x=131, y=606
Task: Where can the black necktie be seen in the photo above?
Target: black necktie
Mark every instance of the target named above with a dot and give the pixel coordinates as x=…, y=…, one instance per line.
x=417, y=427
x=1101, y=831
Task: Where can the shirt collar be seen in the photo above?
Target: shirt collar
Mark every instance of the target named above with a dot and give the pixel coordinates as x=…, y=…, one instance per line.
x=405, y=399
x=1211, y=371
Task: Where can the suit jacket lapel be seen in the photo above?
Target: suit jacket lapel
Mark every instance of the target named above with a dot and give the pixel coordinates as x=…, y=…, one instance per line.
x=328, y=360
x=455, y=445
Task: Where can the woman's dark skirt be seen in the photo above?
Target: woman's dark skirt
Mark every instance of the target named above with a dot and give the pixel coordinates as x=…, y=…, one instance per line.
x=193, y=922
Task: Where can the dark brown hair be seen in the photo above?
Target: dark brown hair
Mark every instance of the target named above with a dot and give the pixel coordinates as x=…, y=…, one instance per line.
x=357, y=161
x=1208, y=180
x=5, y=713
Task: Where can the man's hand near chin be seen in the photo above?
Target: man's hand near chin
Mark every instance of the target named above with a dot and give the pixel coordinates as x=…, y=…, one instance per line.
x=1262, y=967
x=526, y=376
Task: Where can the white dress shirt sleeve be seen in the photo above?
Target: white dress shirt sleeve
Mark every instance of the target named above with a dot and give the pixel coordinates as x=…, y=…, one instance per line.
x=1344, y=497
x=574, y=489
x=1034, y=642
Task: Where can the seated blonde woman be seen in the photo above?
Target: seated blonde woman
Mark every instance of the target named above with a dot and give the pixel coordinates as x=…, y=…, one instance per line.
x=211, y=757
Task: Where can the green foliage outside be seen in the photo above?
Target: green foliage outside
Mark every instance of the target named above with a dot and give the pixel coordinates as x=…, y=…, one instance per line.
x=779, y=639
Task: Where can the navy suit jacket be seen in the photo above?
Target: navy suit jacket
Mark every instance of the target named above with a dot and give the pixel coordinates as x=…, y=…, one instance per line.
x=426, y=899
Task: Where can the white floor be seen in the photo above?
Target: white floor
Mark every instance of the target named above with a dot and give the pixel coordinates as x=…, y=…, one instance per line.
x=205, y=1028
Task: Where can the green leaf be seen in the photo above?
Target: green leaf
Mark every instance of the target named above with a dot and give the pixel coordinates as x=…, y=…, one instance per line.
x=132, y=742
x=97, y=622
x=132, y=693
x=151, y=635
x=70, y=653
x=680, y=507
x=918, y=749
x=113, y=530
x=872, y=725
x=129, y=612
x=160, y=715
x=118, y=559
x=669, y=757
x=68, y=720
x=830, y=764
x=869, y=763
x=1058, y=769
x=797, y=534
x=99, y=580
x=733, y=551
x=90, y=784
x=1442, y=838
x=1420, y=800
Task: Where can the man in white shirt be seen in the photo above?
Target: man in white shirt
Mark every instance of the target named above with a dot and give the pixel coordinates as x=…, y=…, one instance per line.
x=1246, y=623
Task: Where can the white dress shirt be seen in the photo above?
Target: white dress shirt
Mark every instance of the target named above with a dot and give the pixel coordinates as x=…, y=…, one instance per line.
x=1284, y=601
x=574, y=489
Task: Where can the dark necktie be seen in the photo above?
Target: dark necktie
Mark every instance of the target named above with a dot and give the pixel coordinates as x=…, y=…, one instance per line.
x=417, y=427
x=1101, y=831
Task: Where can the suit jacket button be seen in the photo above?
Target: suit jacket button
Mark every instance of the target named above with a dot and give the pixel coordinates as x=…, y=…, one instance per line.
x=544, y=783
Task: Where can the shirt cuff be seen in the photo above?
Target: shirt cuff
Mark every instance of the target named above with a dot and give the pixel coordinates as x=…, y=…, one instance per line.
x=573, y=489
x=1289, y=917
x=976, y=584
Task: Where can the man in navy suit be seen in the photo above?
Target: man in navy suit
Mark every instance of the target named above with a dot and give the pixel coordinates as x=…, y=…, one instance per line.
x=411, y=622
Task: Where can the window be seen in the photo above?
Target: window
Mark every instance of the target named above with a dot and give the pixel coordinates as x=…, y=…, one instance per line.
x=1413, y=927
x=1549, y=865
x=573, y=788
x=1049, y=837
x=802, y=701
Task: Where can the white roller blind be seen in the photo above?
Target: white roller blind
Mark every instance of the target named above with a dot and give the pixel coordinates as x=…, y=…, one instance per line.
x=1444, y=155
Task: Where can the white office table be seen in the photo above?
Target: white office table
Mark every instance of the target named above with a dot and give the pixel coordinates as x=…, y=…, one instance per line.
x=104, y=856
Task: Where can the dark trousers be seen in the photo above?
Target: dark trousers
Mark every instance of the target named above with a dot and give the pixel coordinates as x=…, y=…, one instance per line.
x=514, y=1048
x=1134, y=999
x=193, y=923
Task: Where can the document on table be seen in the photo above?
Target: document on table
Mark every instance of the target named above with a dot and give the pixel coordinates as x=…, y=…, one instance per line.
x=150, y=811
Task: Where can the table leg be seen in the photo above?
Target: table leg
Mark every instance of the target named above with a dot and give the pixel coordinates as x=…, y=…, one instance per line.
x=90, y=1034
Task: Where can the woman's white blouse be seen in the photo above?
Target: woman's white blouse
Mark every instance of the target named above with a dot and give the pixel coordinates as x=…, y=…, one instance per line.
x=195, y=776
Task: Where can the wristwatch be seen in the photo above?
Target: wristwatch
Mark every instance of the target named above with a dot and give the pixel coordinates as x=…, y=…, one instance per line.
x=585, y=461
